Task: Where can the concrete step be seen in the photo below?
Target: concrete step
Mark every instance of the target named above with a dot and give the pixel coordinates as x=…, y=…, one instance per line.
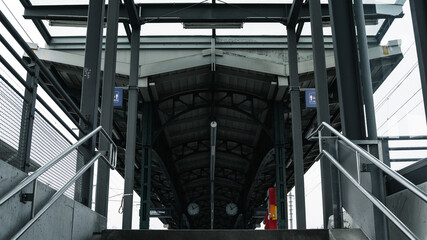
x=314, y=234
x=347, y=234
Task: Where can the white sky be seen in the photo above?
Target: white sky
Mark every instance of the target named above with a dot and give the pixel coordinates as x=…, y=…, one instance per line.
x=398, y=102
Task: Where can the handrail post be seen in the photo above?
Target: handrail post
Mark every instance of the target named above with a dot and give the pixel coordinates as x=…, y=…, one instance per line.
x=335, y=186
x=33, y=203
x=358, y=166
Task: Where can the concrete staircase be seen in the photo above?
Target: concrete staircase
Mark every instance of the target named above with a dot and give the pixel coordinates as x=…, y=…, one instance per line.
x=313, y=234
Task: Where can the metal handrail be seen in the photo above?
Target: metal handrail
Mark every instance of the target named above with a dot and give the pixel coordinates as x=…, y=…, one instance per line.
x=390, y=215
x=112, y=161
x=43, y=68
x=41, y=170
x=58, y=194
x=360, y=151
x=405, y=182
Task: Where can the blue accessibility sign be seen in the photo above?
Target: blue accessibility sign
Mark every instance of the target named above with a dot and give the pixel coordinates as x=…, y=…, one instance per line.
x=310, y=98
x=118, y=97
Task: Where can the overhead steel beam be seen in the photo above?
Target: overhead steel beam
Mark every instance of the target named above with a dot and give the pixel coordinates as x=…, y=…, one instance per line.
x=173, y=13
x=38, y=23
x=132, y=13
x=294, y=13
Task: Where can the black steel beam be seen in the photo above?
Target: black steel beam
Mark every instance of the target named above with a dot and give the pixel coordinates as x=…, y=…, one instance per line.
x=147, y=136
x=279, y=149
x=90, y=90
x=38, y=23
x=299, y=30
x=416, y=173
x=347, y=68
x=128, y=32
x=132, y=118
x=108, y=84
x=27, y=120
x=297, y=143
x=187, y=12
x=294, y=13
x=322, y=99
x=132, y=13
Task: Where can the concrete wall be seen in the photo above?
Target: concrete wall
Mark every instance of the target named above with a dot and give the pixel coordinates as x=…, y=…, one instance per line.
x=411, y=210
x=66, y=219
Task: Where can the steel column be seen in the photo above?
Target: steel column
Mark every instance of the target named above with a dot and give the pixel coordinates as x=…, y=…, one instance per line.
x=377, y=176
x=365, y=70
x=379, y=191
x=296, y=129
x=279, y=147
x=147, y=135
x=212, y=171
x=103, y=176
x=347, y=68
x=27, y=119
x=419, y=21
x=335, y=185
x=321, y=83
x=131, y=130
x=90, y=88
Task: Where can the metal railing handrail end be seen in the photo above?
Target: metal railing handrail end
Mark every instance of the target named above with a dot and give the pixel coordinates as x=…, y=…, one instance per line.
x=390, y=215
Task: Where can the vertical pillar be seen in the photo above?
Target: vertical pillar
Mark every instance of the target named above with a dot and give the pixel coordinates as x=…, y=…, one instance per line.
x=335, y=177
x=147, y=120
x=90, y=88
x=27, y=120
x=419, y=21
x=279, y=147
x=377, y=176
x=296, y=129
x=103, y=176
x=347, y=68
x=321, y=82
x=379, y=191
x=131, y=129
x=365, y=70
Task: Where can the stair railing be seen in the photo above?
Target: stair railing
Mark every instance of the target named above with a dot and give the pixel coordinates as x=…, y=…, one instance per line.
x=111, y=161
x=386, y=169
